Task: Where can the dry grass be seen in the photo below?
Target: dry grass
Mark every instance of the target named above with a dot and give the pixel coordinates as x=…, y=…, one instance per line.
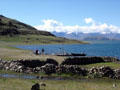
x=113, y=65
x=7, y=52
x=15, y=54
x=83, y=84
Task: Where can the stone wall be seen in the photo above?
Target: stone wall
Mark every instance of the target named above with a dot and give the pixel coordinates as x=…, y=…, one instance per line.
x=87, y=60
x=51, y=66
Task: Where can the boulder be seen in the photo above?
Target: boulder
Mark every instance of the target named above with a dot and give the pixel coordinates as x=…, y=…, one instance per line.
x=36, y=87
x=106, y=71
x=117, y=73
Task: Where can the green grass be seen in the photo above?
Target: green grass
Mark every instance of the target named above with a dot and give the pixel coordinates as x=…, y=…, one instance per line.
x=113, y=65
x=37, y=39
x=81, y=84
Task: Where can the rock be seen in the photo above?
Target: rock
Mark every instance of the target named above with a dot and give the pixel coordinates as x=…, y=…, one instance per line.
x=72, y=69
x=36, y=87
x=93, y=70
x=106, y=71
x=43, y=84
x=48, y=69
x=37, y=69
x=117, y=74
x=103, y=71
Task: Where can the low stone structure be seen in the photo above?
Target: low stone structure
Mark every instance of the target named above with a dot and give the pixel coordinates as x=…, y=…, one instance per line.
x=87, y=60
x=102, y=71
x=71, y=69
x=36, y=66
x=28, y=66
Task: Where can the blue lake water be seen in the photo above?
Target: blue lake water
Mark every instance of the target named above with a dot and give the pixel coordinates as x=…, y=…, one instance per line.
x=96, y=48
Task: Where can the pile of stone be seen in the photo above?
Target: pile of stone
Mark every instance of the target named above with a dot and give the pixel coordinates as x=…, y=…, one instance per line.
x=48, y=68
x=14, y=66
x=102, y=71
x=11, y=65
x=51, y=66
x=71, y=69
x=29, y=66
x=117, y=74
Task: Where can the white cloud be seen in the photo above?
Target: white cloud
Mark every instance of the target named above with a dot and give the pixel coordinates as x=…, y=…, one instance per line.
x=53, y=25
x=89, y=20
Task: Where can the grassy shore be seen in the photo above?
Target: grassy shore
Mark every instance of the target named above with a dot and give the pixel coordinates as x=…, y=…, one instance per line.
x=38, y=39
x=81, y=84
x=8, y=52
x=15, y=54
x=113, y=65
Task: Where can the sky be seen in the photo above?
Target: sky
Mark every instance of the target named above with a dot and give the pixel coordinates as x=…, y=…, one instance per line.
x=65, y=15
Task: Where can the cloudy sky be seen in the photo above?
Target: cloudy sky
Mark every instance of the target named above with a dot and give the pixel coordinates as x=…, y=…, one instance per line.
x=91, y=26
x=68, y=16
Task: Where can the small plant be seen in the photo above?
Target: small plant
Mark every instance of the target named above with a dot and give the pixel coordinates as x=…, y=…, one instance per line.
x=94, y=75
x=33, y=81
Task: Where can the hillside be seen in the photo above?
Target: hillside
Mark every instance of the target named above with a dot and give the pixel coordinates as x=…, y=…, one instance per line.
x=13, y=27
x=13, y=31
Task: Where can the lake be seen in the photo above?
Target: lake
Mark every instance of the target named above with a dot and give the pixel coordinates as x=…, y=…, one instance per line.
x=96, y=48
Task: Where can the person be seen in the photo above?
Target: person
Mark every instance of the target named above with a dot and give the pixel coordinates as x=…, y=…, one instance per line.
x=42, y=50
x=37, y=52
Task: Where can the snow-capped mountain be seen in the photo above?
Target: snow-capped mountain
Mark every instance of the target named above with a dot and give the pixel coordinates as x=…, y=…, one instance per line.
x=89, y=36
x=90, y=30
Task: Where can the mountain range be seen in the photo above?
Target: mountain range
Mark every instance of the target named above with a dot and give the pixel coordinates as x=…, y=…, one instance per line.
x=89, y=36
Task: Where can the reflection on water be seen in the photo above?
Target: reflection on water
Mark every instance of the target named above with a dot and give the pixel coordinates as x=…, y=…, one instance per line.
x=17, y=76
x=35, y=77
